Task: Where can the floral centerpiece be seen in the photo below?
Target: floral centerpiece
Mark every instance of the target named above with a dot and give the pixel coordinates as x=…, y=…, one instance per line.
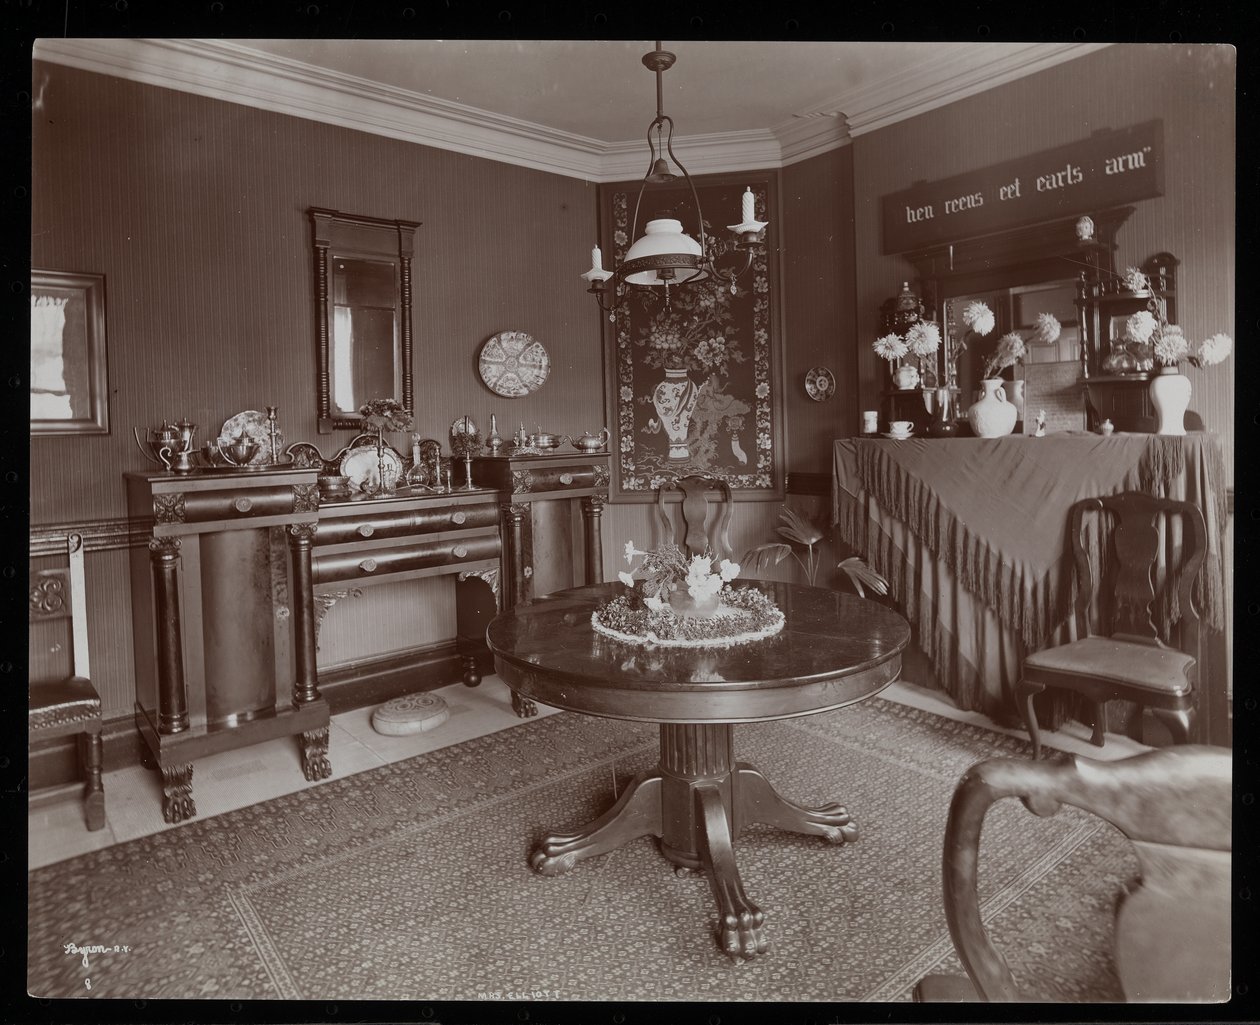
x=1150, y=339
x=678, y=601
x=993, y=415
x=385, y=415
x=1012, y=348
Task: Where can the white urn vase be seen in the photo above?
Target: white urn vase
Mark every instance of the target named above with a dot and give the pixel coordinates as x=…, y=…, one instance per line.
x=993, y=416
x=1170, y=395
x=675, y=400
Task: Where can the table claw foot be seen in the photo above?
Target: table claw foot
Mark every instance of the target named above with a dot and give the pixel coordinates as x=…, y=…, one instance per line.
x=637, y=813
x=523, y=707
x=758, y=801
x=741, y=934
x=741, y=924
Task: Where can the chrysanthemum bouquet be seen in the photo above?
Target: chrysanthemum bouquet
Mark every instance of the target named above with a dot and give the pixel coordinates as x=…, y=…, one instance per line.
x=1166, y=342
x=1012, y=348
x=666, y=570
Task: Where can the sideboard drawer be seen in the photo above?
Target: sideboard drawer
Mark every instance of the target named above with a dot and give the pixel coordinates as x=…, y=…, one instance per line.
x=368, y=563
x=575, y=477
x=233, y=503
x=380, y=524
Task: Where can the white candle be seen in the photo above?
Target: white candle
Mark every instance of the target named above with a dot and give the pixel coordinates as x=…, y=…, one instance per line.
x=597, y=259
x=748, y=206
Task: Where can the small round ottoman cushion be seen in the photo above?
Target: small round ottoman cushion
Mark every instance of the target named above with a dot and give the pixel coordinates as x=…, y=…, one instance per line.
x=411, y=713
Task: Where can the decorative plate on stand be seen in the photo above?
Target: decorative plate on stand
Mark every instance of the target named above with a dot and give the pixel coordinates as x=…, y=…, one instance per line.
x=253, y=425
x=513, y=364
x=820, y=384
x=361, y=465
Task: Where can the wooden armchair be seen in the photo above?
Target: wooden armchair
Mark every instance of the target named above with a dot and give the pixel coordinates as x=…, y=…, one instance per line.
x=1130, y=662
x=1172, y=930
x=695, y=507
x=71, y=705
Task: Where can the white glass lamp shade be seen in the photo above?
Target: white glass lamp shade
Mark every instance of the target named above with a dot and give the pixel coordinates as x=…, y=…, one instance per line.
x=663, y=246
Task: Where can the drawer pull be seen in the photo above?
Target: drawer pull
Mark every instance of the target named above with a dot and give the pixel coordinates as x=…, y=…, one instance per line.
x=459, y=551
x=368, y=565
x=243, y=504
x=566, y=478
x=458, y=517
x=366, y=530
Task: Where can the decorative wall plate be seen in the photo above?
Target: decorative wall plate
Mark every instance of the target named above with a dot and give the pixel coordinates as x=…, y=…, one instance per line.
x=513, y=364
x=359, y=464
x=462, y=424
x=253, y=424
x=820, y=384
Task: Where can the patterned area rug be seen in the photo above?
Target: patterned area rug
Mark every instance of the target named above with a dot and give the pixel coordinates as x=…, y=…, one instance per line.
x=410, y=881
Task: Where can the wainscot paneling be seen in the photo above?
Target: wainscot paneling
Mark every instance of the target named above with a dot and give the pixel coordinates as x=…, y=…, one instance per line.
x=1190, y=87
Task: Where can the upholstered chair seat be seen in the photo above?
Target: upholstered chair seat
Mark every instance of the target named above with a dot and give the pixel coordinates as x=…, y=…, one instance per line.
x=1141, y=666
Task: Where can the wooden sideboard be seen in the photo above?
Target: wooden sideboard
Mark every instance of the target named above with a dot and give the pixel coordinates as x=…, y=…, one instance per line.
x=241, y=568
x=223, y=621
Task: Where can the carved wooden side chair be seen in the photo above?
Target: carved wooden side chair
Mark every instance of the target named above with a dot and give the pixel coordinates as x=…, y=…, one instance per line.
x=1171, y=937
x=1131, y=661
x=70, y=705
x=695, y=508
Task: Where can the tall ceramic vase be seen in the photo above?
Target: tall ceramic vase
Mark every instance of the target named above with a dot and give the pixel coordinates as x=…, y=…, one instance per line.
x=1170, y=395
x=992, y=416
x=675, y=400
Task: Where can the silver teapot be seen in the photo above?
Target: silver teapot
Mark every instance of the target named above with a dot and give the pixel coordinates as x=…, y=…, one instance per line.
x=591, y=442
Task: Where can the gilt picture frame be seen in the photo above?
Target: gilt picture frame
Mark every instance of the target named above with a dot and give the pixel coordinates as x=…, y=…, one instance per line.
x=697, y=388
x=69, y=376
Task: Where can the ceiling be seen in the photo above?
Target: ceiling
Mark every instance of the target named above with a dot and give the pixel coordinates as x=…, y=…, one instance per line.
x=579, y=107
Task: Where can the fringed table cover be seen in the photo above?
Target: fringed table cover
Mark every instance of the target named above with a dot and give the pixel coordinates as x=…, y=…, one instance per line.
x=973, y=536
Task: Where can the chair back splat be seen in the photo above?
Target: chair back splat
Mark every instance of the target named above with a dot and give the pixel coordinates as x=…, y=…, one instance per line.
x=695, y=490
x=1137, y=628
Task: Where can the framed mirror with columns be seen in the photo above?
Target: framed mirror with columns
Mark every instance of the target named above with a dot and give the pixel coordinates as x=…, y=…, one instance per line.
x=363, y=317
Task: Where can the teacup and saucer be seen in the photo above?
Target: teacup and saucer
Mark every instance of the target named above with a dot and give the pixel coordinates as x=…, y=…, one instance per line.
x=900, y=430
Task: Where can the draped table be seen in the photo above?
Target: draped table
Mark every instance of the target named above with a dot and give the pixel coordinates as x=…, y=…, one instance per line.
x=972, y=535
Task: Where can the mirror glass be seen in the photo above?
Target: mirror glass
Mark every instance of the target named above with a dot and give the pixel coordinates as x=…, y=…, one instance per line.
x=364, y=321
x=365, y=359
x=1014, y=309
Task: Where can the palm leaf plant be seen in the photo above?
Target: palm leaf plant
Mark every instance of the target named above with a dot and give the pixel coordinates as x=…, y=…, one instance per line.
x=799, y=531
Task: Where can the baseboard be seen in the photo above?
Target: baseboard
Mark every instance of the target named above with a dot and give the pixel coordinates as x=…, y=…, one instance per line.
x=54, y=765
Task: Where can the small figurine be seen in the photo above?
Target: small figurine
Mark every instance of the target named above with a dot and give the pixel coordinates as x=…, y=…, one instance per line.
x=1040, y=432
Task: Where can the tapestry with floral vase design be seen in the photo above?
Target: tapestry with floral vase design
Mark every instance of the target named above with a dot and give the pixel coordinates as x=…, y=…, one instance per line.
x=694, y=385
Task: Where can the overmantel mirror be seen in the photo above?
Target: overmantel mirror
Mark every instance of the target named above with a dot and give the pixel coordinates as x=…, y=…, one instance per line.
x=363, y=313
x=1042, y=268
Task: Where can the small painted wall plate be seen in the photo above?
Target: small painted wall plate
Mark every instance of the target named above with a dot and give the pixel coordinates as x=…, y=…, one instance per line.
x=513, y=364
x=820, y=384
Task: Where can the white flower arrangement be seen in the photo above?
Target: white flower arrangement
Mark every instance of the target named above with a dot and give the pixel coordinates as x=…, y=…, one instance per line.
x=1170, y=344
x=1046, y=330
x=923, y=338
x=1140, y=326
x=1012, y=348
x=979, y=318
x=890, y=347
x=1135, y=281
x=665, y=570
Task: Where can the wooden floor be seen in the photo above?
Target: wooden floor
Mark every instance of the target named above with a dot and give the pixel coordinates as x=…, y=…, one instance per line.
x=235, y=779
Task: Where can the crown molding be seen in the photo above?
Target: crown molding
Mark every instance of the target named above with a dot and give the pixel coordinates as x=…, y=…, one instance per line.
x=225, y=70
x=954, y=74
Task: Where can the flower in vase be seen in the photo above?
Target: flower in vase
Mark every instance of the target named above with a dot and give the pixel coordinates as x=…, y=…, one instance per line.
x=890, y=347
x=653, y=603
x=1140, y=326
x=923, y=338
x=1213, y=350
x=626, y=579
x=1010, y=350
x=386, y=415
x=1046, y=330
x=979, y=318
x=1171, y=346
x=1135, y=281
x=728, y=570
x=631, y=551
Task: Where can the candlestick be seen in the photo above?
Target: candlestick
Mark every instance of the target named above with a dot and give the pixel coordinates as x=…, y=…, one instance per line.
x=449, y=487
x=747, y=209
x=597, y=259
